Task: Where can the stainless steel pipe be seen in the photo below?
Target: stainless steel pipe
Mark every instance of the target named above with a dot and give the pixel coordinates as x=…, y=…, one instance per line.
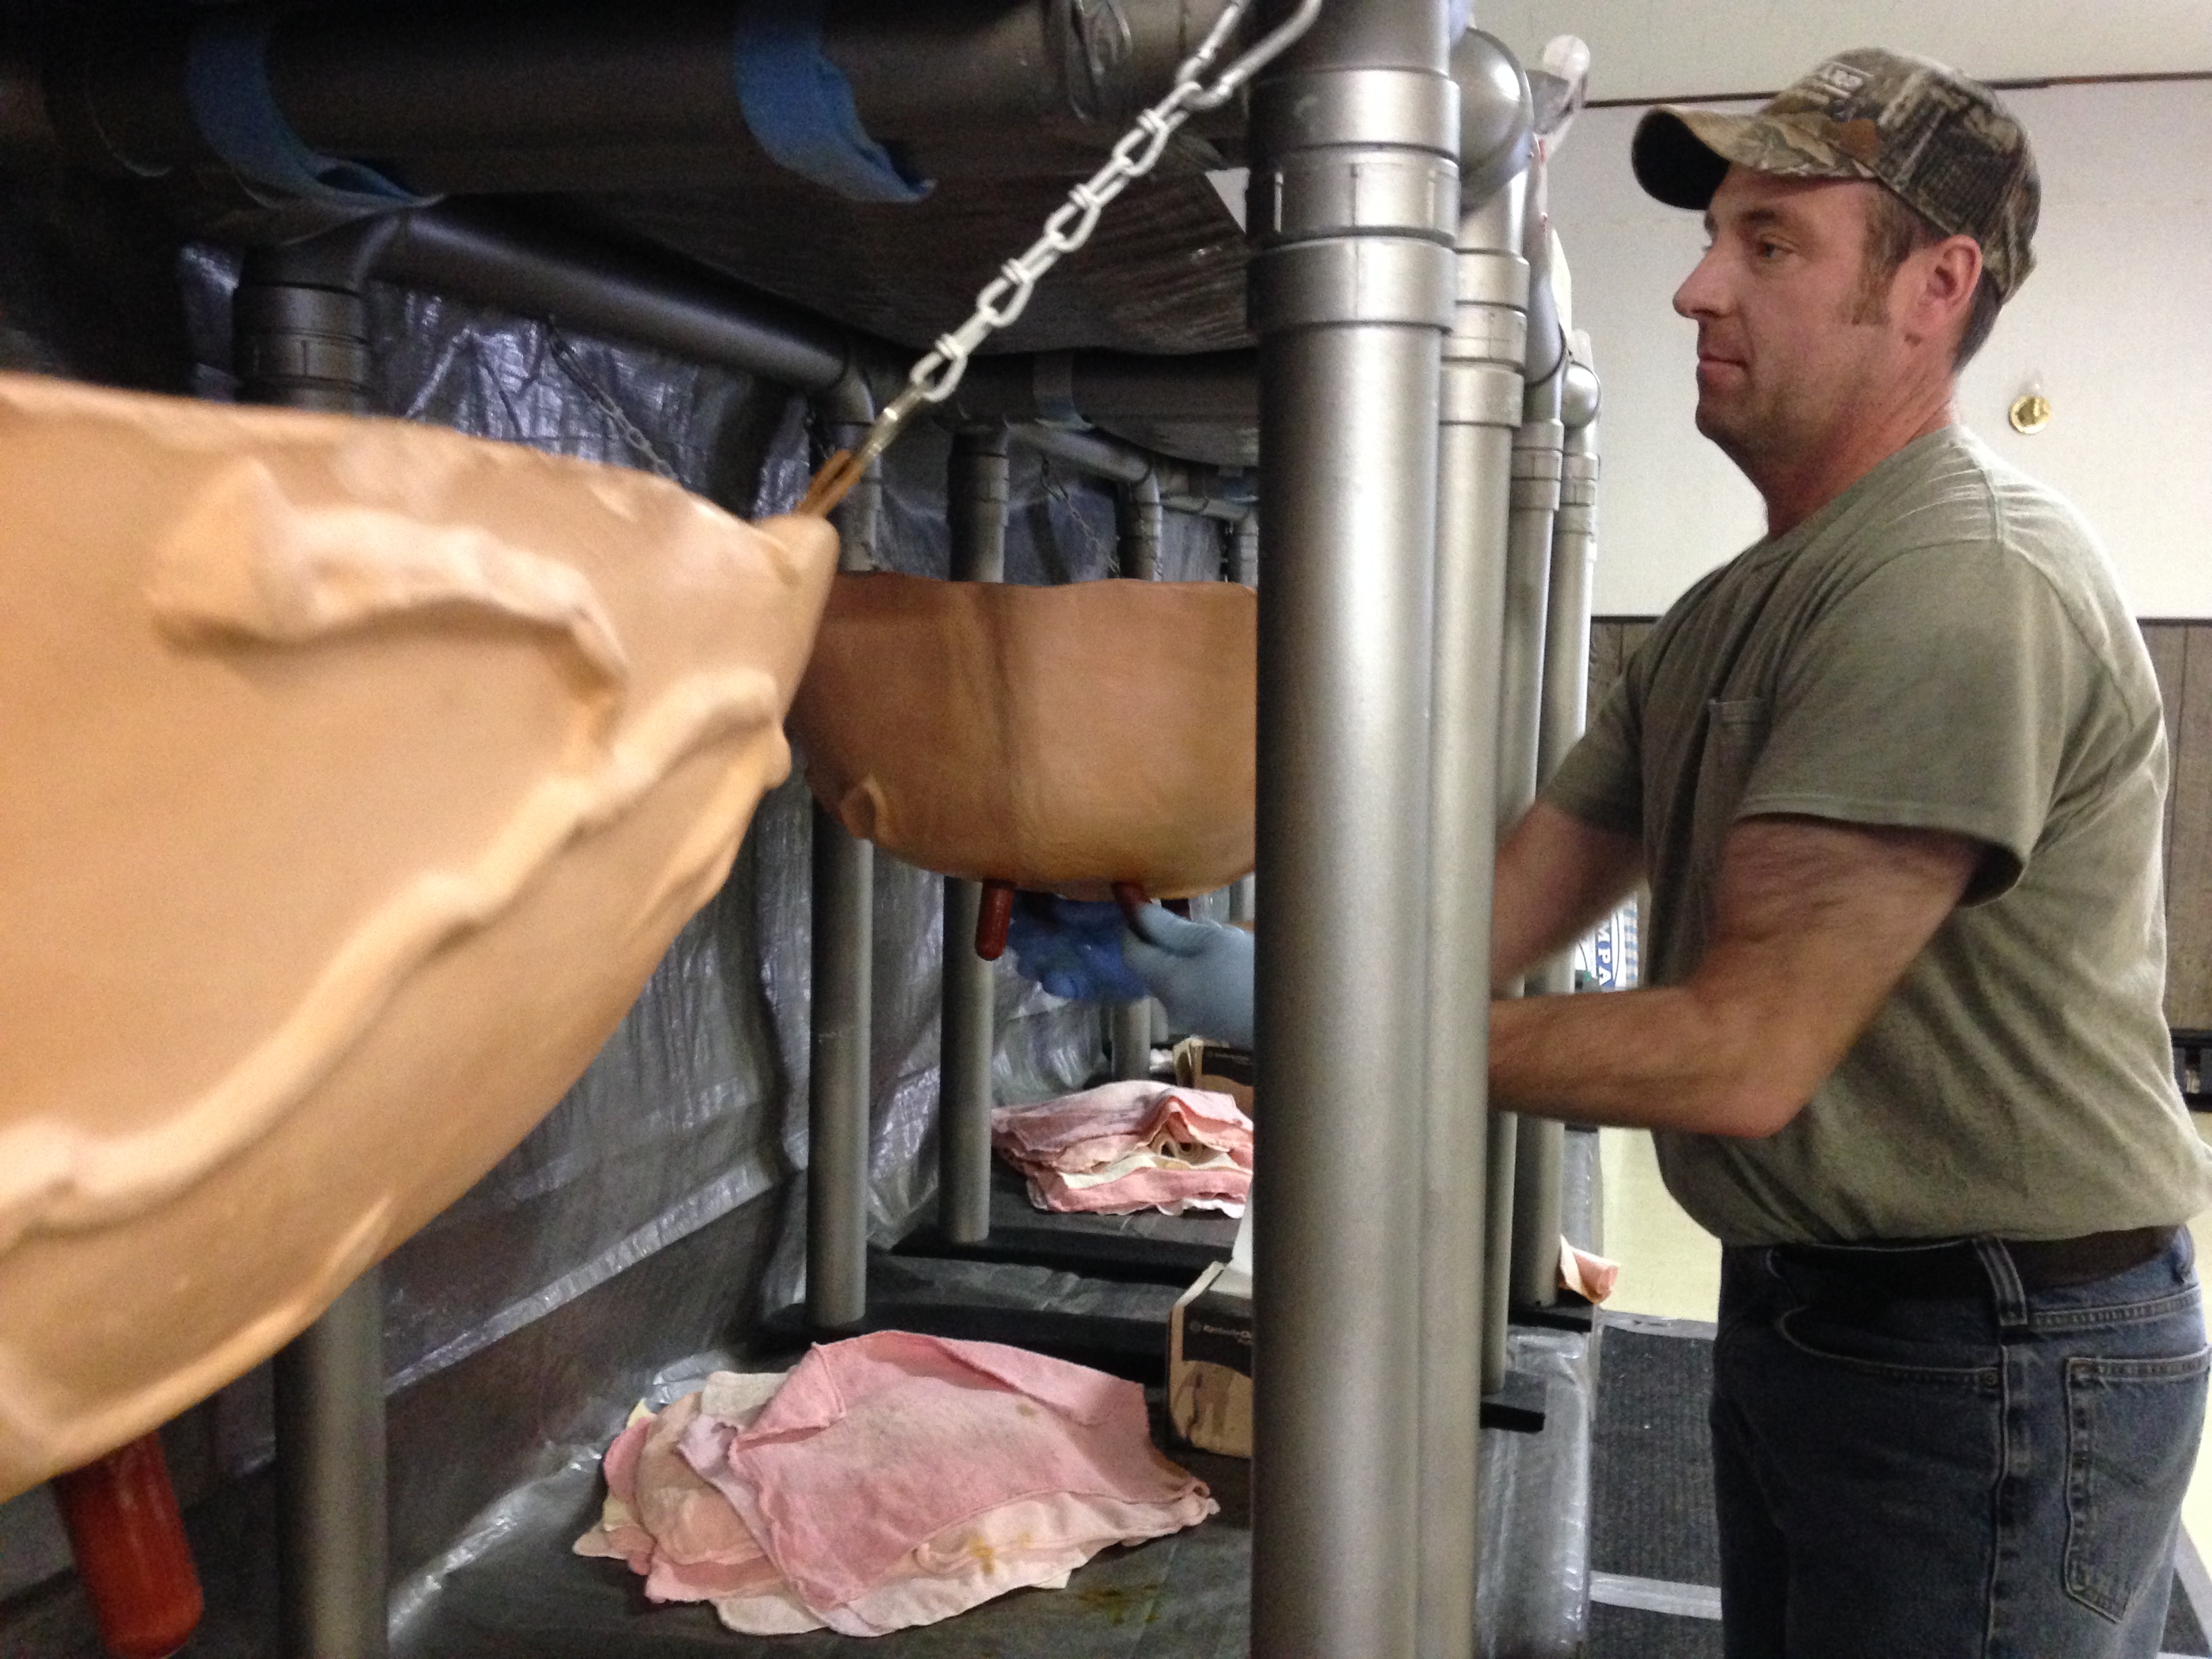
x=1535, y=500
x=330, y=1508
x=1244, y=555
x=843, y=947
x=1482, y=389
x=1538, y=1199
x=975, y=504
x=1354, y=136
x=301, y=341
x=1139, y=526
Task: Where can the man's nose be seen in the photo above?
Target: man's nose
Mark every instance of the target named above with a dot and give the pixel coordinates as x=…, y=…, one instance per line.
x=1700, y=294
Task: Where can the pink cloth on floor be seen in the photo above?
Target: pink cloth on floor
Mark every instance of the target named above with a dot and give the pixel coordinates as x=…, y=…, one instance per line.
x=671, y=1527
x=1039, y=1464
x=877, y=1446
x=1128, y=1147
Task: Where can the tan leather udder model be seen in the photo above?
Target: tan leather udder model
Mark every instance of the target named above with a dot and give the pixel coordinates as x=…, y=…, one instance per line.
x=356, y=776
x=1064, y=739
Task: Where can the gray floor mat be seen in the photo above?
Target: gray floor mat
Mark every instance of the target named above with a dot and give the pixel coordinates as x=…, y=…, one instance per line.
x=1651, y=1480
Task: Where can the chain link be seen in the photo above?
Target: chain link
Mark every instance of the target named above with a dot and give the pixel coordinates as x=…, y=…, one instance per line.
x=631, y=434
x=1006, y=296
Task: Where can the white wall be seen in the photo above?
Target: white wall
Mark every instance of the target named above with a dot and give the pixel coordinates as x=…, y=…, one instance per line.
x=1651, y=50
x=2117, y=320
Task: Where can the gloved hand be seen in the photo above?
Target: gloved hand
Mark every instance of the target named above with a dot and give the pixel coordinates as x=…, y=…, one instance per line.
x=1072, y=947
x=1201, y=972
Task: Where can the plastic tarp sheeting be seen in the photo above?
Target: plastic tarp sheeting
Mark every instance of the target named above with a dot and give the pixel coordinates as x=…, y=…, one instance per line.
x=694, y=1112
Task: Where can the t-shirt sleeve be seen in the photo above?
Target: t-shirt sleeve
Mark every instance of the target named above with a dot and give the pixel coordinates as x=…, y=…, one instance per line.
x=1938, y=693
x=1601, y=780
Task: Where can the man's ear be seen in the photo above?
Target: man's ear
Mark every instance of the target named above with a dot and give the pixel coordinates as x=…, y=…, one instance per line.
x=1939, y=292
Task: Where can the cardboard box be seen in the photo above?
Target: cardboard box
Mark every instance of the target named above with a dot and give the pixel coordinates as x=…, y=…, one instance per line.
x=1202, y=1063
x=1210, y=1362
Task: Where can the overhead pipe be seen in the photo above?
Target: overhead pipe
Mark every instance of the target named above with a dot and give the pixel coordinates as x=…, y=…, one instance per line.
x=1354, y=184
x=975, y=504
x=1184, y=487
x=1097, y=388
x=1483, y=359
x=300, y=329
x=838, y=1087
x=578, y=97
x=1535, y=500
x=1539, y=1198
x=490, y=253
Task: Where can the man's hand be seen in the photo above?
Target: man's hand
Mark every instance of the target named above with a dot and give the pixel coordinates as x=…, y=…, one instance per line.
x=1814, y=922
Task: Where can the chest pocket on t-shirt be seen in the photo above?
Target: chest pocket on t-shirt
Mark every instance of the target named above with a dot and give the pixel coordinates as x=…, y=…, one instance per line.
x=1735, y=734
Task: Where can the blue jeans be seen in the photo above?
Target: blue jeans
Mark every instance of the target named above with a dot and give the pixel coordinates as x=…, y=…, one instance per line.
x=1997, y=1476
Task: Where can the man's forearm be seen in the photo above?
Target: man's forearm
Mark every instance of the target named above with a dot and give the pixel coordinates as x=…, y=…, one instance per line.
x=1556, y=877
x=1641, y=1059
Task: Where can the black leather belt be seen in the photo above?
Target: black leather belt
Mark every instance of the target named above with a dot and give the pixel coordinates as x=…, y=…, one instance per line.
x=1953, y=1268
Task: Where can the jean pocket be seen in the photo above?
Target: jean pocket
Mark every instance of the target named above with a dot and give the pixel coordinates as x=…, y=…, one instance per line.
x=2132, y=1431
x=1873, y=1345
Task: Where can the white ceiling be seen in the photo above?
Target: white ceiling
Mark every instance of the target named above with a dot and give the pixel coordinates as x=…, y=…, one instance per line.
x=1655, y=48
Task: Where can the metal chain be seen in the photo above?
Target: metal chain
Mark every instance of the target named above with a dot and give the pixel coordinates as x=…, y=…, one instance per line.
x=1007, y=296
x=631, y=434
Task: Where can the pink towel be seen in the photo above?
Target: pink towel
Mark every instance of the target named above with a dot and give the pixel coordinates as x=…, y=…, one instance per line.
x=877, y=1444
x=893, y=1480
x=1128, y=1147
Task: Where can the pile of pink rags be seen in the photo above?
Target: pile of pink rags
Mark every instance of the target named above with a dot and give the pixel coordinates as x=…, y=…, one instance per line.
x=889, y=1480
x=1130, y=1147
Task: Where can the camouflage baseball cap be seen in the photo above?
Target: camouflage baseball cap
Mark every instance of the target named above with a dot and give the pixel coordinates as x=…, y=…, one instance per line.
x=1940, y=142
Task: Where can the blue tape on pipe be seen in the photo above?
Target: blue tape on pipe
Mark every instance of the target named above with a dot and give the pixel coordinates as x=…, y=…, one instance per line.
x=800, y=105
x=226, y=85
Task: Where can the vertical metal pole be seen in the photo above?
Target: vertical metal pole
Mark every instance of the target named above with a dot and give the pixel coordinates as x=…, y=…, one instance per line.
x=1244, y=894
x=975, y=504
x=1528, y=578
x=837, y=1089
x=1482, y=367
x=1139, y=525
x=1354, y=199
x=1538, y=1198
x=300, y=333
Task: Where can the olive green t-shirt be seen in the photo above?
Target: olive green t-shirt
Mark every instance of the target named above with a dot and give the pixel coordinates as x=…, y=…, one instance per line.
x=1943, y=647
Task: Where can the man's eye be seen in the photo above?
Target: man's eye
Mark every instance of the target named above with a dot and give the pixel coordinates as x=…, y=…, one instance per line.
x=1769, y=250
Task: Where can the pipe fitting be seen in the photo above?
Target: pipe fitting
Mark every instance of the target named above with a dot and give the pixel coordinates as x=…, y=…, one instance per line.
x=1497, y=116
x=1353, y=210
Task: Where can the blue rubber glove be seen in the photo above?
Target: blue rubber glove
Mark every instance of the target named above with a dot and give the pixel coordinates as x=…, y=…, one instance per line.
x=1072, y=947
x=1201, y=972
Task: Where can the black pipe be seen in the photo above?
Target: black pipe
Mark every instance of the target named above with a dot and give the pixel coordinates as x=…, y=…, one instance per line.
x=567, y=94
x=658, y=301
x=1107, y=388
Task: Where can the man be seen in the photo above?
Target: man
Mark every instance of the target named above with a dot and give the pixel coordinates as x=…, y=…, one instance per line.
x=1895, y=776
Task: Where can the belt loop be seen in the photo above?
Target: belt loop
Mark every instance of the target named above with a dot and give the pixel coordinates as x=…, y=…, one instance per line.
x=2005, y=1288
